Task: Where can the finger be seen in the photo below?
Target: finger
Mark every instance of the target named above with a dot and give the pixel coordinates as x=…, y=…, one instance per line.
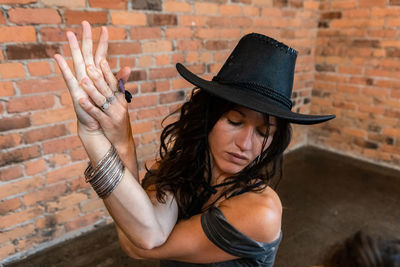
x=97, y=77
x=108, y=75
x=92, y=110
x=124, y=74
x=72, y=83
x=101, y=52
x=87, y=43
x=92, y=92
x=79, y=64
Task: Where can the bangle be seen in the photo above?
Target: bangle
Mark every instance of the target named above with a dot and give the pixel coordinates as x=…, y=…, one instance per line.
x=107, y=174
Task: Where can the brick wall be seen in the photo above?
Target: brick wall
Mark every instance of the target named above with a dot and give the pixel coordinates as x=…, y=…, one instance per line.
x=43, y=199
x=358, y=78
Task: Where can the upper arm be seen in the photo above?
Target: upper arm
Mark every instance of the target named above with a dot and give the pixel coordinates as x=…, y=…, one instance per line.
x=188, y=242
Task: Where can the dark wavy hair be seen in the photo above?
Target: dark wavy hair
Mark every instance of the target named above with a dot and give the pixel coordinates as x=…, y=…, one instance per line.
x=183, y=167
x=362, y=250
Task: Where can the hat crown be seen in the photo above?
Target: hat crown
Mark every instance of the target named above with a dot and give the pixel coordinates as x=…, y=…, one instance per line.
x=261, y=61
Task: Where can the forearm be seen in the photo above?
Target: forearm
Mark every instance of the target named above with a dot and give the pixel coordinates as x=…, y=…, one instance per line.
x=127, y=153
x=147, y=224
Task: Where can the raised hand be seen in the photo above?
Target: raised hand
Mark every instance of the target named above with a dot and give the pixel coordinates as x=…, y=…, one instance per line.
x=100, y=107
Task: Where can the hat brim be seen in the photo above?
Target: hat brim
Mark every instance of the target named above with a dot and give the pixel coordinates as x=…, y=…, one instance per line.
x=249, y=99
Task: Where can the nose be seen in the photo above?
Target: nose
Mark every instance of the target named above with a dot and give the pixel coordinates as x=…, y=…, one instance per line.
x=244, y=138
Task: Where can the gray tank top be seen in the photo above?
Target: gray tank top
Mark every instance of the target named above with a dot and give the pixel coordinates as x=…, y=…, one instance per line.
x=228, y=238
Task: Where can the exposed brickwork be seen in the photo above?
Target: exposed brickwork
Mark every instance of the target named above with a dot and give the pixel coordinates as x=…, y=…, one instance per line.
x=357, y=79
x=348, y=64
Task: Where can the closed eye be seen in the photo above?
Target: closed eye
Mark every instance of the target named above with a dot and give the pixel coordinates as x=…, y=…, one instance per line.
x=235, y=123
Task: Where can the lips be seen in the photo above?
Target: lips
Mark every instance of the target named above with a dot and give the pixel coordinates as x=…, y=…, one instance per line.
x=237, y=158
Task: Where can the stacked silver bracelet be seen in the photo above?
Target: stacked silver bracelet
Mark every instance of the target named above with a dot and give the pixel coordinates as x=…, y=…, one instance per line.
x=107, y=174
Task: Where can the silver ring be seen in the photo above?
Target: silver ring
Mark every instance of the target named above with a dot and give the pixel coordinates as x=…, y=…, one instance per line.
x=106, y=105
x=110, y=99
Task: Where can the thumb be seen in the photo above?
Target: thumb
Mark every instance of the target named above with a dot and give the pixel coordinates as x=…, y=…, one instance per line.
x=124, y=74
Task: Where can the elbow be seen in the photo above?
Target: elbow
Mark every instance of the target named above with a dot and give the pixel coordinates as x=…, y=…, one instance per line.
x=152, y=241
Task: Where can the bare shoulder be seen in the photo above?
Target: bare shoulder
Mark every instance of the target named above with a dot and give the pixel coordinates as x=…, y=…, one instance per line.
x=257, y=215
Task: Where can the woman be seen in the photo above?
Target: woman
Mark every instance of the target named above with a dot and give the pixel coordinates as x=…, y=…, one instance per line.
x=207, y=199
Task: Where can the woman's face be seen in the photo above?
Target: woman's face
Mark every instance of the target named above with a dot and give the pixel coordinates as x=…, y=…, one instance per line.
x=236, y=140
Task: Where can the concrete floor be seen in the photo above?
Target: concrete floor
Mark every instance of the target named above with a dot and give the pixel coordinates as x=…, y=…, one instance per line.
x=326, y=197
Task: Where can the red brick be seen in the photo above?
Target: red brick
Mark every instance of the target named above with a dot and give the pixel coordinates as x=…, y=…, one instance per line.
x=9, y=205
x=216, y=45
x=66, y=215
x=128, y=18
x=108, y=4
x=174, y=6
x=35, y=167
x=17, y=34
x=16, y=122
x=230, y=10
x=19, y=155
x=186, y=20
x=44, y=133
x=31, y=51
x=136, y=75
x=20, y=217
x=83, y=221
x=251, y=11
x=10, y=140
x=172, y=97
x=20, y=186
x=161, y=19
x=189, y=45
x=178, y=33
x=157, y=112
x=40, y=68
x=10, y=2
x=124, y=48
x=92, y=205
x=2, y=18
x=140, y=33
x=44, y=194
x=156, y=46
x=65, y=173
x=61, y=145
x=22, y=104
x=145, y=101
x=10, y=173
x=34, y=16
x=58, y=160
x=219, y=21
x=142, y=127
x=12, y=70
x=51, y=84
x=67, y=4
x=76, y=184
x=16, y=233
x=78, y=154
x=93, y=17
x=205, y=8
x=53, y=116
x=162, y=73
x=145, y=61
x=6, y=250
x=163, y=60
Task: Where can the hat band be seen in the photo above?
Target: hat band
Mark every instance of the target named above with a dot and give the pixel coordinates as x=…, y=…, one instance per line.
x=259, y=89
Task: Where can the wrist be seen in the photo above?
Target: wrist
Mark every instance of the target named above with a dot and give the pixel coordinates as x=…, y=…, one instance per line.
x=95, y=144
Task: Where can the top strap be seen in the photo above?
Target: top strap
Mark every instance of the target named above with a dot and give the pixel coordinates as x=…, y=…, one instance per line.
x=231, y=240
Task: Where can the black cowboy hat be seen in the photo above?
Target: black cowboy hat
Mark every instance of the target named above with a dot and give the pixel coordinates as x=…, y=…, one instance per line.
x=258, y=75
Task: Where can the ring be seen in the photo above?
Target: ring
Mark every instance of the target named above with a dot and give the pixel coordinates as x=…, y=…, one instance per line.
x=106, y=105
x=110, y=99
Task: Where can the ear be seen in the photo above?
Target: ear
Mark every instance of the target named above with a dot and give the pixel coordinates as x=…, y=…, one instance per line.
x=124, y=74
